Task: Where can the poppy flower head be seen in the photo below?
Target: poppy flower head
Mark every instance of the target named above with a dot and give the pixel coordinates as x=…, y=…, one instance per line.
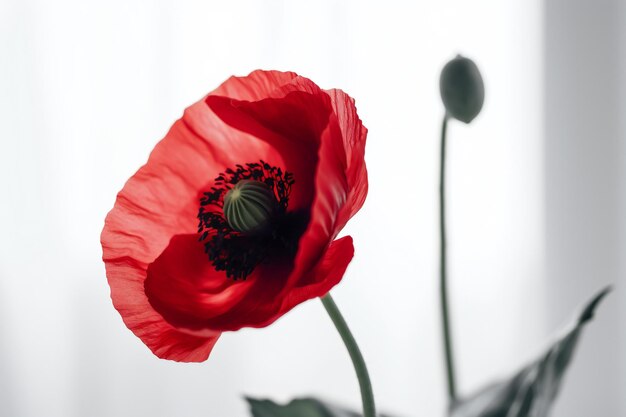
x=233, y=220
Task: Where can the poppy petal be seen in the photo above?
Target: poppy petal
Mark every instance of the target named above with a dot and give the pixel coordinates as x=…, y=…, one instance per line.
x=164, y=340
x=331, y=193
x=262, y=302
x=291, y=124
x=189, y=293
x=328, y=272
x=184, y=287
x=341, y=181
x=354, y=136
x=255, y=86
x=261, y=307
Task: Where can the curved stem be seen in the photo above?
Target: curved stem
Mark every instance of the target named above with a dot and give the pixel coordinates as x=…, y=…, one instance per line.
x=445, y=317
x=367, y=395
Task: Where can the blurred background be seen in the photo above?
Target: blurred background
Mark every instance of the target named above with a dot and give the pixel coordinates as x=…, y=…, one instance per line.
x=537, y=192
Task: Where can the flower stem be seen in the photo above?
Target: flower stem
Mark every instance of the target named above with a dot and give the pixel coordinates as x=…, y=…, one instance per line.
x=367, y=395
x=445, y=317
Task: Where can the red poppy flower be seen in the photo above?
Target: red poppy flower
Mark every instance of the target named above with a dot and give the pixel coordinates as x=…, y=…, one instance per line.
x=181, y=271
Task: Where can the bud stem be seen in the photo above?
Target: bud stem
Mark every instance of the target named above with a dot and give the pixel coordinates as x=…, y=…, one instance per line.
x=367, y=395
x=445, y=317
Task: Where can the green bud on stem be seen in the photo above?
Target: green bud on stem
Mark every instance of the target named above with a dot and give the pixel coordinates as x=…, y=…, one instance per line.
x=462, y=89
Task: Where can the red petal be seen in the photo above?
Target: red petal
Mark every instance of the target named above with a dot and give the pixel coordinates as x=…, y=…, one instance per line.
x=354, y=136
x=262, y=305
x=331, y=192
x=164, y=340
x=184, y=287
x=291, y=124
x=255, y=86
x=328, y=273
x=340, y=185
x=341, y=181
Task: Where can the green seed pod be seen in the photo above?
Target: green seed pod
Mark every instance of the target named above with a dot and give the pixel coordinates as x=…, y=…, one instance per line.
x=462, y=89
x=250, y=206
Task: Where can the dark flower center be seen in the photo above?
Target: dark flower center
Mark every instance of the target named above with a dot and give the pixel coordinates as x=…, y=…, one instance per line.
x=244, y=218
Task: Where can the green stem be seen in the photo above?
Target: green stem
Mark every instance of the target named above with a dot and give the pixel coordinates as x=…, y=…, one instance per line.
x=445, y=317
x=367, y=396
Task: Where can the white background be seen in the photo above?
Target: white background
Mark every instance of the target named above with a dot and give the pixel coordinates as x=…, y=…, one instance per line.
x=536, y=197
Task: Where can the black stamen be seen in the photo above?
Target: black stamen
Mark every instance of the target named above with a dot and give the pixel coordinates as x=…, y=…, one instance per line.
x=236, y=253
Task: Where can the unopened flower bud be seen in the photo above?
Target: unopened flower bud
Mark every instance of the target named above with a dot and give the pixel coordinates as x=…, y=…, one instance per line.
x=250, y=206
x=462, y=89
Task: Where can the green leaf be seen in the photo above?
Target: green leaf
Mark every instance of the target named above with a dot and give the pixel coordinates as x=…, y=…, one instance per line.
x=299, y=407
x=532, y=390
